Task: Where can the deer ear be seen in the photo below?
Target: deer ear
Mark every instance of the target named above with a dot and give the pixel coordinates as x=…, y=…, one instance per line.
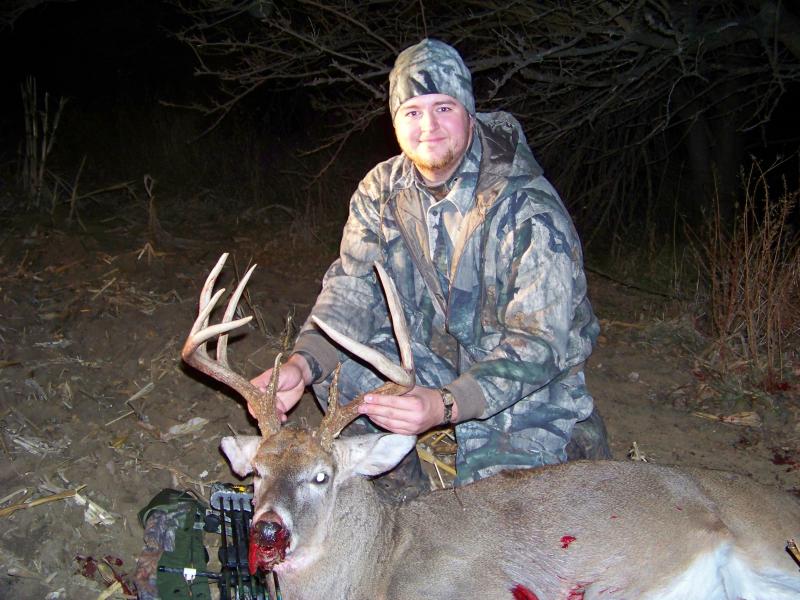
x=373, y=454
x=240, y=452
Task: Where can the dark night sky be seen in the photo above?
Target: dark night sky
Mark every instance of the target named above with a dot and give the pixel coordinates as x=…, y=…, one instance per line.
x=115, y=61
x=100, y=54
x=95, y=50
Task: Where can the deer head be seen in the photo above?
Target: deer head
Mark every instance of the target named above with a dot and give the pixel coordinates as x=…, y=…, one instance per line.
x=297, y=474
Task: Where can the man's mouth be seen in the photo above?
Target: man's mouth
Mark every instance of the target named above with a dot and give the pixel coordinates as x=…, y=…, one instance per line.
x=269, y=540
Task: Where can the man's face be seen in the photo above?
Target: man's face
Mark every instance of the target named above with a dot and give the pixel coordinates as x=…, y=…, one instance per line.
x=434, y=131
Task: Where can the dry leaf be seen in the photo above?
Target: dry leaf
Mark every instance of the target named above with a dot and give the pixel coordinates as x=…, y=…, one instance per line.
x=193, y=425
x=746, y=418
x=94, y=513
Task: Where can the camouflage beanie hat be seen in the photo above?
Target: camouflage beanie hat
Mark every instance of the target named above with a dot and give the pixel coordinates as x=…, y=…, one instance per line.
x=430, y=67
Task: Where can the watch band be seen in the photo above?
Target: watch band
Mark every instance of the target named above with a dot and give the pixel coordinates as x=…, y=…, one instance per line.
x=448, y=400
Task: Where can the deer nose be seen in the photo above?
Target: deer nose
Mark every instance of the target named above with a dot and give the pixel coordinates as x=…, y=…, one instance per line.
x=267, y=533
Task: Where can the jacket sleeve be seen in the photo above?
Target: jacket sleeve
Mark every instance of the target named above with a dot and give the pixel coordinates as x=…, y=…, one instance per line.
x=350, y=285
x=540, y=324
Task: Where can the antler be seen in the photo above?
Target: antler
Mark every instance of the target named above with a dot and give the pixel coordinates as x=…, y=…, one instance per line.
x=194, y=351
x=401, y=378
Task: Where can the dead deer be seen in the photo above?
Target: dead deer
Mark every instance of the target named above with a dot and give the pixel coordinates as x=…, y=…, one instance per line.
x=578, y=531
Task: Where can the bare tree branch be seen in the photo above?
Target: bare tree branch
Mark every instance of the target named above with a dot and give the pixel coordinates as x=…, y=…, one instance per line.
x=12, y=10
x=629, y=81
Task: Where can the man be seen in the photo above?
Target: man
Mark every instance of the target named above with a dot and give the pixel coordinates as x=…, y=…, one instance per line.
x=489, y=270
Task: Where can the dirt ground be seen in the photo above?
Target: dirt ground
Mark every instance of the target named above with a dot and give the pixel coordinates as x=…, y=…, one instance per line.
x=92, y=389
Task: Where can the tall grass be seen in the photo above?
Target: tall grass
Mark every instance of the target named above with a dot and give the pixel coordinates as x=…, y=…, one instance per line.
x=753, y=273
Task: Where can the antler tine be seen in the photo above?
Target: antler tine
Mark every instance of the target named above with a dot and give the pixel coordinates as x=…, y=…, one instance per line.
x=337, y=417
x=230, y=310
x=399, y=325
x=194, y=351
x=207, y=303
x=401, y=377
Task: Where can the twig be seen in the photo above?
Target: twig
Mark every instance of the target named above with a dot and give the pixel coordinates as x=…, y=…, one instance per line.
x=125, y=185
x=114, y=588
x=633, y=286
x=102, y=289
x=5, y=447
x=791, y=548
x=439, y=475
x=119, y=418
x=8, y=510
x=26, y=420
x=23, y=491
x=73, y=201
x=623, y=324
x=428, y=457
x=146, y=389
x=174, y=470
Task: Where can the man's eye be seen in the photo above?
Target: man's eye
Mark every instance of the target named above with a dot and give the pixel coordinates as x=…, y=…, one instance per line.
x=320, y=478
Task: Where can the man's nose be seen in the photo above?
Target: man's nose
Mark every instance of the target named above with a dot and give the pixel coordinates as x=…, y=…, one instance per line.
x=429, y=121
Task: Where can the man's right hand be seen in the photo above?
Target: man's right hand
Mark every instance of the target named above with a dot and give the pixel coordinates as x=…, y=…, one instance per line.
x=294, y=376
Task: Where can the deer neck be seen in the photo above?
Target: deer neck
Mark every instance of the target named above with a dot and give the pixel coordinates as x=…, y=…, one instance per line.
x=353, y=555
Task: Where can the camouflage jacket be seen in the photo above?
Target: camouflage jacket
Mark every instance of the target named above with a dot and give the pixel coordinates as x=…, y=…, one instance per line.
x=515, y=316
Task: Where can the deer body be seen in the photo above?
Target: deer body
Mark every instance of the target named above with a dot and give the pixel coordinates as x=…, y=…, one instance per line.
x=581, y=531
x=606, y=530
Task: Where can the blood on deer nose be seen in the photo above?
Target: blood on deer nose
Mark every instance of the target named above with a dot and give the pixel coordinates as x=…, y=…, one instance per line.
x=266, y=533
x=269, y=540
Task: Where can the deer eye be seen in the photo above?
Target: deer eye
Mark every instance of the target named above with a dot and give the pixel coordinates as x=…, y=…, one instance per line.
x=320, y=478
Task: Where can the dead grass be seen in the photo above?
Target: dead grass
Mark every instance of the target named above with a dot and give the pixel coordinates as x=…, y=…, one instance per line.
x=753, y=300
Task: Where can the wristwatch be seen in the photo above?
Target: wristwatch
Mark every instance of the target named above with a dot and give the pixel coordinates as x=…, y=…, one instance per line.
x=448, y=400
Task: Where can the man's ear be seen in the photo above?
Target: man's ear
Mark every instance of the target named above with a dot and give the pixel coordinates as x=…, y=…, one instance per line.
x=372, y=454
x=240, y=452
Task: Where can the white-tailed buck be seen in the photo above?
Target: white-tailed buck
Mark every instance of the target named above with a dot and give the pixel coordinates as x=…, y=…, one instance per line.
x=580, y=531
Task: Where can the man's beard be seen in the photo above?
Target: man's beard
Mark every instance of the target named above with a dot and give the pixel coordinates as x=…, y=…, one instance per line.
x=433, y=164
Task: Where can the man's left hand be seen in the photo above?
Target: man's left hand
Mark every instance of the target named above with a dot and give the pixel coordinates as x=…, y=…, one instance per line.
x=414, y=412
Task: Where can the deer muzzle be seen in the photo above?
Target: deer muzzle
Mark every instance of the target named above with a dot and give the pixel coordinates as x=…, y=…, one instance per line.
x=269, y=540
